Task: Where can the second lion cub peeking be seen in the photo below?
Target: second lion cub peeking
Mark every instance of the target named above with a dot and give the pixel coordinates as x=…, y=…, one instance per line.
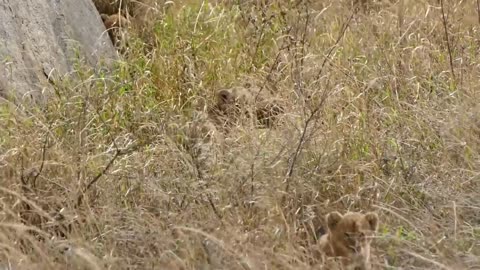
x=116, y=25
x=349, y=236
x=249, y=102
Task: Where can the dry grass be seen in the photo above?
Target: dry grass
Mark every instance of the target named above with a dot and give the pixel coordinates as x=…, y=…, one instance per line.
x=104, y=176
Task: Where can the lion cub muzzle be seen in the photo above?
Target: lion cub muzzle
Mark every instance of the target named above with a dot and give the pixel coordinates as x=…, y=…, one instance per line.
x=349, y=237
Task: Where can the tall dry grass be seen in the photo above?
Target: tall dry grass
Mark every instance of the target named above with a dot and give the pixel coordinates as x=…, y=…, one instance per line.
x=382, y=114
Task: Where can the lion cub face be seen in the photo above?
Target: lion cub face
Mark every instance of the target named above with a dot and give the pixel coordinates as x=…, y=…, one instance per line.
x=349, y=236
x=248, y=102
x=234, y=99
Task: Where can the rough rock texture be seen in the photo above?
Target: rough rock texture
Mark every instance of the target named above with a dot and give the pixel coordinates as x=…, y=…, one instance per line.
x=41, y=38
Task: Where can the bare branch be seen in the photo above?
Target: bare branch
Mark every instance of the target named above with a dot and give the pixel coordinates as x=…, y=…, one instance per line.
x=314, y=113
x=44, y=154
x=478, y=11
x=447, y=39
x=332, y=49
x=94, y=180
x=214, y=208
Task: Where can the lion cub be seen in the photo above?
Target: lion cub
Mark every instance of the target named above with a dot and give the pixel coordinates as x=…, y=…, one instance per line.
x=116, y=25
x=349, y=237
x=237, y=102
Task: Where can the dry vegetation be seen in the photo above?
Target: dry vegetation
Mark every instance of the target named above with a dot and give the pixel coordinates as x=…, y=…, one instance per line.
x=381, y=113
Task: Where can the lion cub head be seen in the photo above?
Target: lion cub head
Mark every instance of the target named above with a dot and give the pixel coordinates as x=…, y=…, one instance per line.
x=116, y=25
x=238, y=102
x=349, y=237
x=233, y=100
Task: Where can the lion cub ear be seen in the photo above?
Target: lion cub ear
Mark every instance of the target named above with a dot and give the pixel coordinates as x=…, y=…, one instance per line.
x=104, y=17
x=332, y=220
x=372, y=219
x=223, y=95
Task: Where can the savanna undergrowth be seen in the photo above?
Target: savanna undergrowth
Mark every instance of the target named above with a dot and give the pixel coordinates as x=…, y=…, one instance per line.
x=382, y=114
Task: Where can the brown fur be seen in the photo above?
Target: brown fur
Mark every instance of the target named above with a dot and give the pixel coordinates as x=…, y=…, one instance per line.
x=366, y=5
x=116, y=26
x=138, y=11
x=349, y=237
x=116, y=6
x=203, y=130
x=202, y=141
x=142, y=15
x=240, y=102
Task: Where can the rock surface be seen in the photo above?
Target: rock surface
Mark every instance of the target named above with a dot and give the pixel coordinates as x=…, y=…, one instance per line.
x=40, y=38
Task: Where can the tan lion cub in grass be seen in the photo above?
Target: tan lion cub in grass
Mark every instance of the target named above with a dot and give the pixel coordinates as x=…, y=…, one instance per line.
x=237, y=102
x=116, y=25
x=349, y=237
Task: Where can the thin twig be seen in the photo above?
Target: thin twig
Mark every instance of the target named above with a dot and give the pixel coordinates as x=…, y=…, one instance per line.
x=94, y=180
x=299, y=59
x=332, y=49
x=214, y=208
x=44, y=154
x=425, y=259
x=447, y=39
x=478, y=11
x=300, y=144
x=401, y=41
x=454, y=221
x=261, y=36
x=272, y=68
x=23, y=179
x=314, y=113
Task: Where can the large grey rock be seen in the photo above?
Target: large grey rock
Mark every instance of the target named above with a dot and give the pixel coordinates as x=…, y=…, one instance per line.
x=39, y=38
